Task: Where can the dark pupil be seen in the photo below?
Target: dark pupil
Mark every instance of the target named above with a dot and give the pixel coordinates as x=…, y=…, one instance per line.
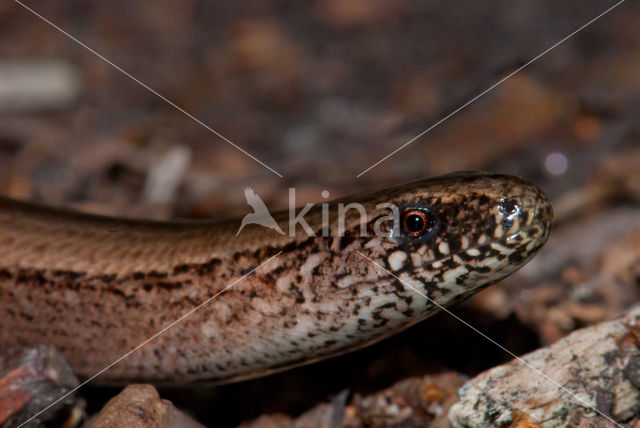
x=414, y=223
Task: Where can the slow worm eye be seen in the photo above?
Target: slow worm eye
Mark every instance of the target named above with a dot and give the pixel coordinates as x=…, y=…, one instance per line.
x=417, y=222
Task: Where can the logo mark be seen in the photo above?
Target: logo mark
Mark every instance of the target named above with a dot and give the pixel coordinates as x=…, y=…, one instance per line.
x=260, y=214
x=387, y=217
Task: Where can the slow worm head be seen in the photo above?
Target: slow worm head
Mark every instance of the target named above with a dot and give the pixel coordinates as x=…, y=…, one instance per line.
x=96, y=287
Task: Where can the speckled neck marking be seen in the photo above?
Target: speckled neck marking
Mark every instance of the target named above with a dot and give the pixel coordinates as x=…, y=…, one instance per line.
x=96, y=287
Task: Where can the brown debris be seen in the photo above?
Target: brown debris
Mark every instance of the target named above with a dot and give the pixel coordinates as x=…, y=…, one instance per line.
x=582, y=421
x=411, y=402
x=509, y=132
x=419, y=401
x=615, y=177
x=360, y=12
x=12, y=400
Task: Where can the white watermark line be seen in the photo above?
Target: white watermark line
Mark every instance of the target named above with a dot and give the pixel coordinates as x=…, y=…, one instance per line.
x=148, y=88
x=150, y=339
x=556, y=383
x=490, y=88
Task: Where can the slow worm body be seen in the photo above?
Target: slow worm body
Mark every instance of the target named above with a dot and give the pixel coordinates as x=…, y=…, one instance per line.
x=96, y=287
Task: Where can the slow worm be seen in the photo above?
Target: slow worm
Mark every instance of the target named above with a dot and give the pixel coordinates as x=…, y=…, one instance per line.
x=95, y=287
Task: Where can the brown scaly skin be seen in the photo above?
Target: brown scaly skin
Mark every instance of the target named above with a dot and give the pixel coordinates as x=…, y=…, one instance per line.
x=97, y=287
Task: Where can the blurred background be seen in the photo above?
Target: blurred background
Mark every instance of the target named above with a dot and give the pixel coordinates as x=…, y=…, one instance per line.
x=320, y=91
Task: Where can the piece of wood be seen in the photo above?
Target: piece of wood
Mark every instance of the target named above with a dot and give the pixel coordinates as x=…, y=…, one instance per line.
x=600, y=365
x=140, y=406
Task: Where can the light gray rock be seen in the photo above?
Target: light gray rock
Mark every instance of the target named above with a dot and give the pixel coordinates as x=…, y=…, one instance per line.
x=599, y=365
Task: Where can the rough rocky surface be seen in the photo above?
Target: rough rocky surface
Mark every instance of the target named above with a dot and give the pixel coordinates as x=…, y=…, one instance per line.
x=599, y=365
x=32, y=379
x=140, y=406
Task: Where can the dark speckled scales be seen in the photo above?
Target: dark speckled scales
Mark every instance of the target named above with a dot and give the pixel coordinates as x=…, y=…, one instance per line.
x=97, y=287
